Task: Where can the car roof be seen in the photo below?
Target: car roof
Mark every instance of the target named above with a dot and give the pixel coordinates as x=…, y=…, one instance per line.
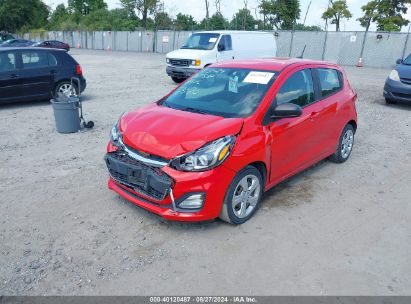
x=271, y=64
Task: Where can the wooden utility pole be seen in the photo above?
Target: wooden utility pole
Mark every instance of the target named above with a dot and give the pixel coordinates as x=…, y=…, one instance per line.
x=207, y=4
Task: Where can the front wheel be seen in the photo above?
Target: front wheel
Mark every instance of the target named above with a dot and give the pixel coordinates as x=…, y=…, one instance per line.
x=243, y=196
x=178, y=80
x=390, y=101
x=345, y=145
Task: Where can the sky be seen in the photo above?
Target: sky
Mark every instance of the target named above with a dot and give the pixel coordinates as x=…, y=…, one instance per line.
x=196, y=8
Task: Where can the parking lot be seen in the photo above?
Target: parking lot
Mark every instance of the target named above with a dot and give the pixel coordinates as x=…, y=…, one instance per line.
x=331, y=230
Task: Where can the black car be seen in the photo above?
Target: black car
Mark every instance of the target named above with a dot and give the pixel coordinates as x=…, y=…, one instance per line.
x=37, y=73
x=398, y=84
x=17, y=43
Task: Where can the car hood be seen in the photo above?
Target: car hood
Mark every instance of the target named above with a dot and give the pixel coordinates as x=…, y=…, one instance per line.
x=169, y=133
x=188, y=54
x=404, y=70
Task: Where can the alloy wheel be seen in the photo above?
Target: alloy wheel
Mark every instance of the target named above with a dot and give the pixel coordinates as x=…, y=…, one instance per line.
x=246, y=195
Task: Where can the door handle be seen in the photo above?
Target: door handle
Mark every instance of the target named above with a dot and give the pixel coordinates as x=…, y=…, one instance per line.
x=52, y=72
x=13, y=76
x=314, y=115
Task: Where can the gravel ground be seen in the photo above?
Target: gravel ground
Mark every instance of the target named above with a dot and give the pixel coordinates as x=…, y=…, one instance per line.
x=331, y=230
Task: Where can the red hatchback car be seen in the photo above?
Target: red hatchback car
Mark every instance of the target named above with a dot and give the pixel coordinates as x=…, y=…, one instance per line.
x=213, y=145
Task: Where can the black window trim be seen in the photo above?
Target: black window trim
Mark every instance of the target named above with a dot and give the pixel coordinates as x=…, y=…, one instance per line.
x=22, y=67
x=223, y=41
x=340, y=78
x=16, y=61
x=267, y=119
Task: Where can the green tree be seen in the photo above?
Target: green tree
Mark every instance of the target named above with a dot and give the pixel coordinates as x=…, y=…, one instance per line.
x=336, y=12
x=243, y=20
x=162, y=20
x=85, y=7
x=217, y=22
x=390, y=13
x=143, y=7
x=59, y=15
x=281, y=14
x=303, y=27
x=370, y=11
x=185, y=22
x=21, y=15
x=107, y=20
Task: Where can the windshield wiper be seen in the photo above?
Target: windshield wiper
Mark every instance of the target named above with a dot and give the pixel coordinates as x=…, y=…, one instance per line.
x=189, y=109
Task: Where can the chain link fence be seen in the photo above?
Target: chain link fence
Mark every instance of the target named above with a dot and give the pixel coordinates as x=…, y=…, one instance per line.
x=376, y=49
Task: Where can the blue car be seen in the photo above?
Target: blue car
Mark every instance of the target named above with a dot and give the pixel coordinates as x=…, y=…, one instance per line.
x=398, y=84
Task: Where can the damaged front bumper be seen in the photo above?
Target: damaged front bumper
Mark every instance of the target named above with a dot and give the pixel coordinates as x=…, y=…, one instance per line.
x=163, y=190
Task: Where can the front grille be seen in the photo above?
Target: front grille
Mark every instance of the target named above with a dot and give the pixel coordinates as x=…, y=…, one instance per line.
x=406, y=80
x=155, y=183
x=180, y=62
x=402, y=95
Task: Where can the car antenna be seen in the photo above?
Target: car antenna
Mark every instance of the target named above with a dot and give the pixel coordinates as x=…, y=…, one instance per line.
x=302, y=54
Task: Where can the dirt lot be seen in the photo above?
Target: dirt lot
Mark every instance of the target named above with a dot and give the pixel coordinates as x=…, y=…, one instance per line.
x=331, y=230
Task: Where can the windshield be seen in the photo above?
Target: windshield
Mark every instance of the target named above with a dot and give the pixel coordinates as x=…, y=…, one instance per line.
x=407, y=60
x=201, y=41
x=227, y=92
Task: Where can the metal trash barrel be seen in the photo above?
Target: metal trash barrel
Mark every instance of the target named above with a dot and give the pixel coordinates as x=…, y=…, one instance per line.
x=66, y=114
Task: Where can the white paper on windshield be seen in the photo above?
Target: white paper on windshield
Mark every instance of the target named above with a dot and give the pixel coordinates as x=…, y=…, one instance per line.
x=233, y=84
x=258, y=77
x=212, y=39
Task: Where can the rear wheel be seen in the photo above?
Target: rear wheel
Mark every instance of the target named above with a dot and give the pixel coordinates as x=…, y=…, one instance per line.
x=243, y=196
x=345, y=145
x=178, y=80
x=66, y=88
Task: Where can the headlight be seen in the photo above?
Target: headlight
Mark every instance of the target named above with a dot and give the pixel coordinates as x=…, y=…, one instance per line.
x=207, y=157
x=167, y=60
x=115, y=134
x=394, y=75
x=196, y=62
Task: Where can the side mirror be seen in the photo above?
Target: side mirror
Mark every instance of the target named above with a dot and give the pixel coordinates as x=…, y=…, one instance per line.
x=399, y=61
x=286, y=110
x=221, y=47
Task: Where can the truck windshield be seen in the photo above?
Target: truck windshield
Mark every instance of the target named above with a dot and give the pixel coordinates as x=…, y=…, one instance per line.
x=201, y=41
x=226, y=92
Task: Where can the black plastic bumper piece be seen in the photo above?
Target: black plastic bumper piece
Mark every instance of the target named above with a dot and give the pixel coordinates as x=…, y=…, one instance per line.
x=149, y=181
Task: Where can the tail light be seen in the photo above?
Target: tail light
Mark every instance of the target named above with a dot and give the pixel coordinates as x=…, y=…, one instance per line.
x=79, y=72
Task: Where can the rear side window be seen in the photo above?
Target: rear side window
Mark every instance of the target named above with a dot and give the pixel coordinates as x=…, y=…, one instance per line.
x=7, y=62
x=330, y=81
x=35, y=60
x=52, y=60
x=297, y=89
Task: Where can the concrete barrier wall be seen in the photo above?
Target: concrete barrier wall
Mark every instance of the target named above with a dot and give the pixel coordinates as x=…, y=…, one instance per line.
x=377, y=49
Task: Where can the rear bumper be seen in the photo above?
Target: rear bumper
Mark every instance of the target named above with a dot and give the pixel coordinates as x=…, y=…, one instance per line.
x=180, y=72
x=83, y=84
x=397, y=91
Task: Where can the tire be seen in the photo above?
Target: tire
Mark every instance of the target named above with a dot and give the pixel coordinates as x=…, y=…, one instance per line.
x=238, y=207
x=390, y=101
x=64, y=87
x=345, y=145
x=178, y=80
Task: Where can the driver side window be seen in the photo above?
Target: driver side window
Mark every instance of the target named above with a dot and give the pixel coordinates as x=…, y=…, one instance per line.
x=225, y=43
x=297, y=89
